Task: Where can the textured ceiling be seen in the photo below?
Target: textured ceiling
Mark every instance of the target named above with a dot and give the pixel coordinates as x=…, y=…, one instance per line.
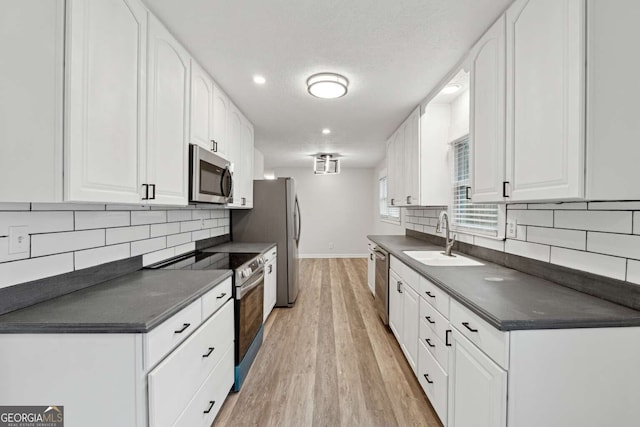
x=392, y=51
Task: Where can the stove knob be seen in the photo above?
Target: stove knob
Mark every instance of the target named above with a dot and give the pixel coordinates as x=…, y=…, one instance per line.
x=261, y=260
x=246, y=273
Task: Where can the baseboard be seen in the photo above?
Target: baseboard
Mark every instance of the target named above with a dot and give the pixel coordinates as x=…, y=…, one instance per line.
x=333, y=255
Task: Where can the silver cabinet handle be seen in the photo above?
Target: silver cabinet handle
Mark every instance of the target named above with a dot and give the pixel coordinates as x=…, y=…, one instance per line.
x=408, y=200
x=399, y=283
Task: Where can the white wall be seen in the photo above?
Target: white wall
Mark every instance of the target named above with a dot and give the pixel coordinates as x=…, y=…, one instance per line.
x=380, y=226
x=258, y=165
x=335, y=209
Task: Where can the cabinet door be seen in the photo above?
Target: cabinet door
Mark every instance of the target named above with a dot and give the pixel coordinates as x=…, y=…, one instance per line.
x=234, y=151
x=201, y=114
x=396, y=301
x=371, y=272
x=391, y=169
x=412, y=159
x=487, y=122
x=31, y=104
x=477, y=387
x=397, y=189
x=545, y=99
x=411, y=325
x=221, y=131
x=270, y=288
x=166, y=148
x=246, y=164
x=105, y=100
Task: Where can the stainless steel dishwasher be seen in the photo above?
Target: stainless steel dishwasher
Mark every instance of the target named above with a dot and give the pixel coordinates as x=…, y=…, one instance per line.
x=382, y=284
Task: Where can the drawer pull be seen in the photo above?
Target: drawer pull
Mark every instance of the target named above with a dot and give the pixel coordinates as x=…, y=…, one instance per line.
x=222, y=295
x=430, y=294
x=429, y=343
x=426, y=377
x=184, y=328
x=211, y=403
x=429, y=320
x=446, y=338
x=466, y=325
x=209, y=353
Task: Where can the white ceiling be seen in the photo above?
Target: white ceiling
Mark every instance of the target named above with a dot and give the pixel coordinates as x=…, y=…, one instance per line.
x=392, y=51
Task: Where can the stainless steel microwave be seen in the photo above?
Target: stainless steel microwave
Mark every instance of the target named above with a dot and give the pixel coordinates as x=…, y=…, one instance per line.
x=210, y=177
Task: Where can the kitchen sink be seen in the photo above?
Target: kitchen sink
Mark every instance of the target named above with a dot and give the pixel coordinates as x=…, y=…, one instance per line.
x=439, y=259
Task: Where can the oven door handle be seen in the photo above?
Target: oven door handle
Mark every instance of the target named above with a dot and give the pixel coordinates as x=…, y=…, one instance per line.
x=244, y=289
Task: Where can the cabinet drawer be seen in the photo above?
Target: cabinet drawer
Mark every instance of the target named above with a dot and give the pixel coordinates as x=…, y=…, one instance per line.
x=434, y=382
x=436, y=321
x=215, y=298
x=491, y=341
x=435, y=345
x=407, y=275
x=206, y=404
x=161, y=340
x=435, y=296
x=177, y=378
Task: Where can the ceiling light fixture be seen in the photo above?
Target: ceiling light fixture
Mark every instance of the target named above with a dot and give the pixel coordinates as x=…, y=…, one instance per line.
x=453, y=88
x=325, y=164
x=259, y=80
x=327, y=85
x=326, y=131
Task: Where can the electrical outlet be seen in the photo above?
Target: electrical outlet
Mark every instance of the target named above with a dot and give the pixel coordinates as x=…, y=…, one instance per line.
x=19, y=241
x=512, y=228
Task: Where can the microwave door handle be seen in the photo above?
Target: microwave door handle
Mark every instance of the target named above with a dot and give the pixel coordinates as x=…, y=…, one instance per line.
x=225, y=189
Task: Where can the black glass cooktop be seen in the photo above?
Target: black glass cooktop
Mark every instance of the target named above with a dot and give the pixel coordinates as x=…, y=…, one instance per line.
x=200, y=260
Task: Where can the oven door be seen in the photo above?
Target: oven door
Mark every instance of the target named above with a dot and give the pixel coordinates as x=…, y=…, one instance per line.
x=249, y=309
x=211, y=180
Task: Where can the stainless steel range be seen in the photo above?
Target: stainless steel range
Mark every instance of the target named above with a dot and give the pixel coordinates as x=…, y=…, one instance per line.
x=248, y=279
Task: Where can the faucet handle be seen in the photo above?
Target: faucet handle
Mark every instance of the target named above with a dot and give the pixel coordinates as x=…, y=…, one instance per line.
x=450, y=244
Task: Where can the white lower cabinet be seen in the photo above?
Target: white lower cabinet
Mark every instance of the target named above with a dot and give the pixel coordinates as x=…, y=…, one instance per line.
x=478, y=376
x=371, y=268
x=148, y=379
x=270, y=282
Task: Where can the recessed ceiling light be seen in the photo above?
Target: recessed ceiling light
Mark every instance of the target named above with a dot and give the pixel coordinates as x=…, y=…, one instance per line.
x=326, y=131
x=257, y=79
x=450, y=88
x=327, y=85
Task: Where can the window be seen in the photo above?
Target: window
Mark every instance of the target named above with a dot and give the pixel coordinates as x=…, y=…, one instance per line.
x=386, y=212
x=479, y=218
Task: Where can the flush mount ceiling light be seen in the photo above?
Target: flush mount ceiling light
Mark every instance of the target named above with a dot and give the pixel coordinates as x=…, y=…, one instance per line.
x=453, y=88
x=259, y=80
x=325, y=164
x=327, y=85
x=326, y=131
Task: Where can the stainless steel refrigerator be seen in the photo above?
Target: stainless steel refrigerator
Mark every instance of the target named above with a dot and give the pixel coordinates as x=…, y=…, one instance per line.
x=275, y=217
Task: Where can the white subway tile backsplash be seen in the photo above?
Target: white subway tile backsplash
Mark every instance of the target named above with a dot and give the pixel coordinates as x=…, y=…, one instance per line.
x=485, y=242
x=161, y=255
x=127, y=234
x=67, y=207
x=218, y=214
x=542, y=218
x=179, y=215
x=187, y=247
x=615, y=206
x=4, y=251
x=38, y=222
x=622, y=245
x=636, y=222
x=164, y=229
x=90, y=220
x=148, y=217
x=609, y=221
x=200, y=234
x=92, y=257
x=528, y=249
x=603, y=265
x=145, y=246
x=127, y=208
x=521, y=232
x=30, y=269
x=211, y=223
x=190, y=225
x=201, y=214
x=517, y=206
x=559, y=206
x=633, y=271
x=574, y=239
x=55, y=243
x=178, y=239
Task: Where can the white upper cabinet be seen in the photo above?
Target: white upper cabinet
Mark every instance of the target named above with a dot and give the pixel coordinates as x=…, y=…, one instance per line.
x=411, y=172
x=613, y=128
x=487, y=122
x=221, y=132
x=167, y=141
x=234, y=152
x=545, y=99
x=105, y=100
x=31, y=104
x=246, y=164
x=202, y=116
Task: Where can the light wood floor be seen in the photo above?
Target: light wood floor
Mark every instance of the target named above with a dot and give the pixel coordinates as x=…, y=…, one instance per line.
x=329, y=361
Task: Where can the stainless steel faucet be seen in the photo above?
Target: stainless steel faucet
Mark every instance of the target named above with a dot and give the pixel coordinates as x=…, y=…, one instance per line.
x=448, y=244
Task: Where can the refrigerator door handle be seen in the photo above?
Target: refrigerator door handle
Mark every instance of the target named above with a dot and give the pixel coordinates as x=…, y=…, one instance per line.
x=298, y=222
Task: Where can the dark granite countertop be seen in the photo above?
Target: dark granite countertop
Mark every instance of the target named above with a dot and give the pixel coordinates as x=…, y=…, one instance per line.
x=134, y=303
x=241, y=247
x=520, y=301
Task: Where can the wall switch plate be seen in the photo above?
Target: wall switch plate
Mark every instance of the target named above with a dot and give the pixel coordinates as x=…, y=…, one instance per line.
x=19, y=241
x=330, y=245
x=512, y=228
